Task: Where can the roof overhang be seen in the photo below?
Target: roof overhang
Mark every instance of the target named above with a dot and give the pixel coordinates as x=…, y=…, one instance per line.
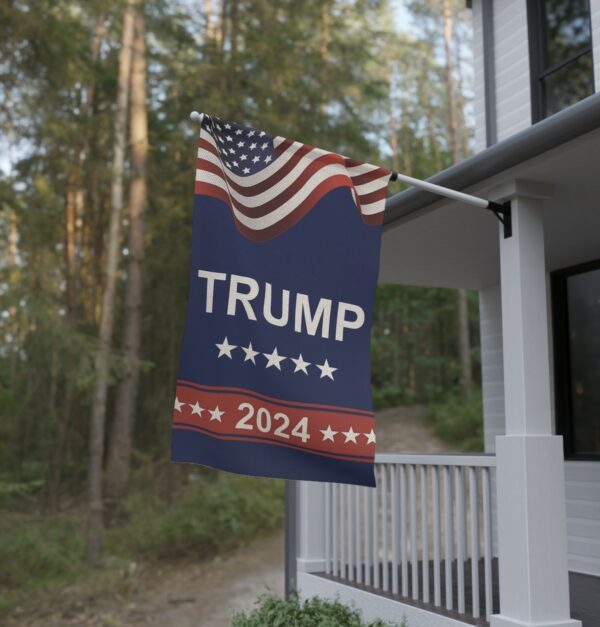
x=429, y=241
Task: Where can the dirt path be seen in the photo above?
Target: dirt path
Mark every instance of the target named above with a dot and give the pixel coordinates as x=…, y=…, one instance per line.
x=404, y=430
x=206, y=594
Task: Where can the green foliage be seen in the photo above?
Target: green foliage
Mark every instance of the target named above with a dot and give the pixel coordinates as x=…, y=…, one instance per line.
x=40, y=552
x=459, y=422
x=211, y=516
x=314, y=612
x=11, y=491
x=391, y=396
x=414, y=351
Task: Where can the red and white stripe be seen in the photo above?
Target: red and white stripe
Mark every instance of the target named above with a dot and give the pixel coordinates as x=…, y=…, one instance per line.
x=269, y=202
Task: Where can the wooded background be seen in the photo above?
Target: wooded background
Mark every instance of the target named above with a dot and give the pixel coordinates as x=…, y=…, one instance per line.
x=96, y=185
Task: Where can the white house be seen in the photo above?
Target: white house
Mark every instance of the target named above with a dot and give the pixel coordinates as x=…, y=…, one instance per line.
x=511, y=537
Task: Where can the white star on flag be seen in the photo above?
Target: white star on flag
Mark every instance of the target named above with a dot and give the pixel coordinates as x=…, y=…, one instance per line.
x=350, y=436
x=328, y=434
x=250, y=353
x=301, y=365
x=216, y=413
x=370, y=437
x=178, y=405
x=196, y=409
x=326, y=370
x=274, y=359
x=225, y=348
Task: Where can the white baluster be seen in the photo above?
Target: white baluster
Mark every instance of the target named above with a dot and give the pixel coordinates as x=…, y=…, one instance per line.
x=357, y=535
x=414, y=555
x=461, y=525
x=487, y=541
x=448, y=535
x=474, y=513
x=425, y=533
x=334, y=524
x=437, y=535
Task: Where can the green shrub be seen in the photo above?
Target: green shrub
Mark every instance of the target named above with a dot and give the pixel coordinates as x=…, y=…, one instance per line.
x=459, y=422
x=391, y=396
x=314, y=612
x=212, y=515
x=39, y=552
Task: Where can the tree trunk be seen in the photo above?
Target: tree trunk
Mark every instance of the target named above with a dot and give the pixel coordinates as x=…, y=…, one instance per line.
x=464, y=348
x=73, y=243
x=209, y=30
x=452, y=117
x=98, y=414
x=119, y=454
x=58, y=450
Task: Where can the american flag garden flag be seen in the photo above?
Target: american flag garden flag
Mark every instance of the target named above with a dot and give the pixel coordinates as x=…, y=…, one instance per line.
x=274, y=376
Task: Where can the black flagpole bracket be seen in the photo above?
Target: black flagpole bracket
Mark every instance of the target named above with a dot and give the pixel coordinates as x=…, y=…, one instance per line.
x=504, y=213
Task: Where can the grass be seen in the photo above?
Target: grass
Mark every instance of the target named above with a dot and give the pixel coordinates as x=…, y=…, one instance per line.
x=40, y=554
x=459, y=422
x=315, y=612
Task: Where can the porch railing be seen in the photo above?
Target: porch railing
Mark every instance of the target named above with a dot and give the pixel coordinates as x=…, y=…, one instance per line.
x=424, y=533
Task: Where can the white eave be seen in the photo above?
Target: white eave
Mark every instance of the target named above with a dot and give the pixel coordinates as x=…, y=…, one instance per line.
x=433, y=242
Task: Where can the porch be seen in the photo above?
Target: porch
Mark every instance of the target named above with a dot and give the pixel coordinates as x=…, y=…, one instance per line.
x=422, y=544
x=449, y=540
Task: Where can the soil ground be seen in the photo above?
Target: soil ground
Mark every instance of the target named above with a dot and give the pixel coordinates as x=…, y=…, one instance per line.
x=207, y=594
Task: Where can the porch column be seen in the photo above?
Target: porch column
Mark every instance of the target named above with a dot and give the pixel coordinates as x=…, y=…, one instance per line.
x=532, y=534
x=311, y=532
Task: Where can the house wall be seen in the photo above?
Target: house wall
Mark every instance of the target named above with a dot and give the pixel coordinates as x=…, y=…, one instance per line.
x=582, y=478
x=512, y=78
x=511, y=47
x=511, y=54
x=478, y=76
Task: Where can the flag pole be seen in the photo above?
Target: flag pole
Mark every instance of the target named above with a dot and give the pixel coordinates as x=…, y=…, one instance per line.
x=501, y=211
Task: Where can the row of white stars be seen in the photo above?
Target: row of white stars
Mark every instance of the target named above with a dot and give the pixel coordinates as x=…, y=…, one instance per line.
x=350, y=435
x=240, y=131
x=243, y=158
x=215, y=414
x=328, y=434
x=274, y=359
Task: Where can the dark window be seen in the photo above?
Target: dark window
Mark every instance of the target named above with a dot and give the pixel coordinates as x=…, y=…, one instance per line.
x=560, y=52
x=576, y=308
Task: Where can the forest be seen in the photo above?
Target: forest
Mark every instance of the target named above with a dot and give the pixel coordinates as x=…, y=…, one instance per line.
x=96, y=183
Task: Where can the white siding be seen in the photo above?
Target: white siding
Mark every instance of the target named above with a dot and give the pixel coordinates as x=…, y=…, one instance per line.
x=512, y=67
x=582, y=478
x=478, y=74
x=595, y=13
x=492, y=382
x=492, y=375
x=583, y=516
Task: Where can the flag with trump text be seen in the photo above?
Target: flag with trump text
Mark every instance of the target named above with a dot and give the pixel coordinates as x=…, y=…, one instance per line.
x=274, y=375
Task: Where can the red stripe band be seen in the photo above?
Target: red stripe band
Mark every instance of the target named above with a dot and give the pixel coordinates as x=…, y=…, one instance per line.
x=234, y=413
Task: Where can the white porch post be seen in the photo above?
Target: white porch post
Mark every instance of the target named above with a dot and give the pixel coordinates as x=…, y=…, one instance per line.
x=532, y=535
x=311, y=533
